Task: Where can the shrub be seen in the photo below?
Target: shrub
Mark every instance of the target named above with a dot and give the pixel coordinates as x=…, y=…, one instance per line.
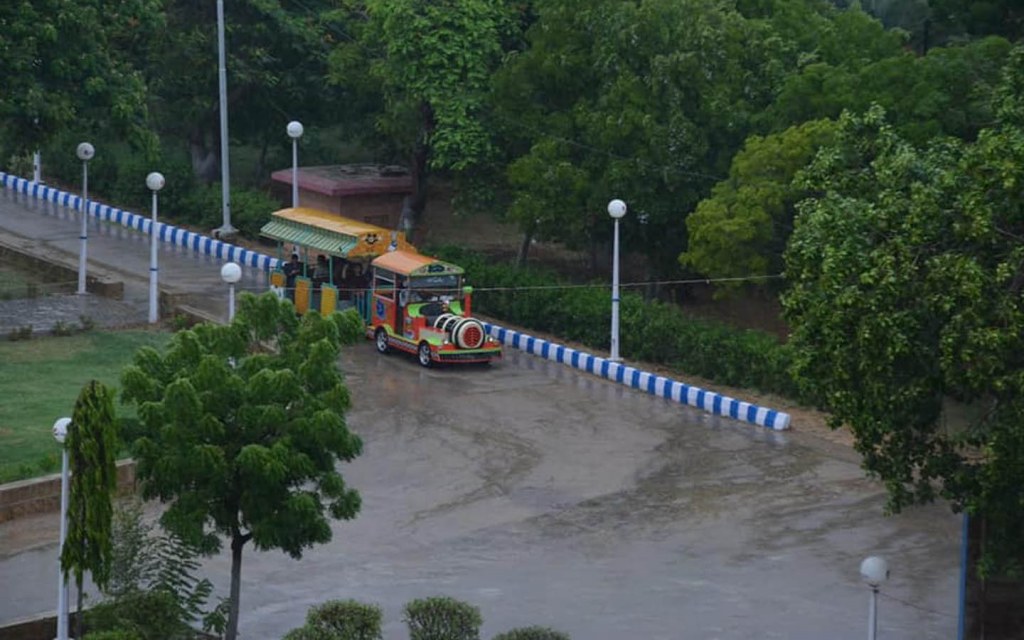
x=346, y=620
x=150, y=615
x=308, y=633
x=532, y=633
x=88, y=324
x=20, y=333
x=442, y=618
x=113, y=634
x=61, y=328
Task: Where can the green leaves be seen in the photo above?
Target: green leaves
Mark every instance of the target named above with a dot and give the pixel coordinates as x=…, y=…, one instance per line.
x=244, y=427
x=92, y=446
x=905, y=297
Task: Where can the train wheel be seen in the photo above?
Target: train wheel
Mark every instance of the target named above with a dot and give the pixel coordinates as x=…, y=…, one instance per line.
x=423, y=353
x=381, y=339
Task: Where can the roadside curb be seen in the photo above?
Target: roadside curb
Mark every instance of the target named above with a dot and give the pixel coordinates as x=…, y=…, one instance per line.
x=167, y=233
x=714, y=403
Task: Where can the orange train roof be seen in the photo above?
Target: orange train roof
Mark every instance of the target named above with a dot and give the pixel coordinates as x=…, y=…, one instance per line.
x=329, y=221
x=411, y=263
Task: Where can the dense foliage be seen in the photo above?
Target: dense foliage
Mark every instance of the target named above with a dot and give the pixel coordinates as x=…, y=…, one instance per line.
x=906, y=273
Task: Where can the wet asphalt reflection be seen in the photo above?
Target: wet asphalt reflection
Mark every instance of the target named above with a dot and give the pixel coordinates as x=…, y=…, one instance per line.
x=549, y=497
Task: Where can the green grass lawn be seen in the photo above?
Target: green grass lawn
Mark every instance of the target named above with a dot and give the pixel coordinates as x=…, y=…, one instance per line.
x=39, y=382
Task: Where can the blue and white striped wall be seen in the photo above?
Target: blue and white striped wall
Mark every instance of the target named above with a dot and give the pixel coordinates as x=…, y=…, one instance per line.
x=167, y=233
x=680, y=392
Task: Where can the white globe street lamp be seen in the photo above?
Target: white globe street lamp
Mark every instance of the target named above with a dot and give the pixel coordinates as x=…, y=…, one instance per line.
x=295, y=132
x=155, y=182
x=616, y=209
x=874, y=571
x=85, y=153
x=60, y=432
x=231, y=273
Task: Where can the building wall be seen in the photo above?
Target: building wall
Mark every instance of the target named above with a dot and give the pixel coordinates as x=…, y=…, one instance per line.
x=381, y=209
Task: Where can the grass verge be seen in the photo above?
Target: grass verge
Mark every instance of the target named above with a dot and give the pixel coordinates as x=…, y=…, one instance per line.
x=40, y=380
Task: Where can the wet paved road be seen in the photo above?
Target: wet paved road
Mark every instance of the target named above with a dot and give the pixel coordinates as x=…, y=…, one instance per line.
x=548, y=497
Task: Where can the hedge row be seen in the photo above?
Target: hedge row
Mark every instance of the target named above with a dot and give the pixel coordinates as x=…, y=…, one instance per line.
x=434, y=618
x=118, y=175
x=655, y=332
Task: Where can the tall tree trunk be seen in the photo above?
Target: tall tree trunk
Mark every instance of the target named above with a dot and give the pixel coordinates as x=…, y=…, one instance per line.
x=419, y=161
x=238, y=541
x=261, y=164
x=524, y=247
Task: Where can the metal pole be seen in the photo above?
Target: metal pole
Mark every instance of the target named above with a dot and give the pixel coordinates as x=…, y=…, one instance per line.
x=84, y=235
x=231, y=302
x=873, y=614
x=615, y=296
x=62, y=586
x=225, y=178
x=37, y=167
x=153, y=269
x=295, y=172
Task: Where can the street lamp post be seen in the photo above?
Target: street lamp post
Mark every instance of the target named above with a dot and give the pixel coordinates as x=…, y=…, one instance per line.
x=231, y=273
x=874, y=571
x=85, y=153
x=60, y=432
x=155, y=181
x=616, y=209
x=295, y=132
x=222, y=80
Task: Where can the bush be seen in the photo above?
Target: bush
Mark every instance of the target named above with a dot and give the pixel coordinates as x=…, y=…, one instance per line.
x=149, y=615
x=113, y=634
x=61, y=328
x=346, y=620
x=308, y=633
x=532, y=633
x=20, y=333
x=442, y=618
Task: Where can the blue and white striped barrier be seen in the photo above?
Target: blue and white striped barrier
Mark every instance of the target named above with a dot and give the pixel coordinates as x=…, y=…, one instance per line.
x=167, y=233
x=709, y=401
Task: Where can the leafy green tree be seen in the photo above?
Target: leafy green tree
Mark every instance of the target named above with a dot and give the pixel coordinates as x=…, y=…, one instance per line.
x=742, y=229
x=646, y=101
x=71, y=63
x=243, y=426
x=276, y=62
x=905, y=302
x=431, y=62
x=949, y=91
x=92, y=447
x=981, y=17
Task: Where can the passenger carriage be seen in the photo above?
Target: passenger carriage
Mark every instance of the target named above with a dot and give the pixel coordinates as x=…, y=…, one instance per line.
x=409, y=302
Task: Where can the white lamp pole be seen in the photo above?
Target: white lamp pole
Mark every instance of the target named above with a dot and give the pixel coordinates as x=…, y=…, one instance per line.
x=231, y=273
x=60, y=432
x=295, y=132
x=874, y=571
x=225, y=175
x=155, y=181
x=85, y=153
x=616, y=209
